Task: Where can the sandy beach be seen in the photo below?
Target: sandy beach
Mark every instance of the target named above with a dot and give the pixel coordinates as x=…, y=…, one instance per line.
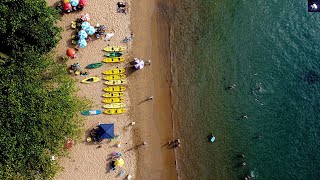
x=153, y=118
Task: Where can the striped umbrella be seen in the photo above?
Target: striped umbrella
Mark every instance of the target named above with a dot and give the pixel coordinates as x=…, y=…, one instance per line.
x=74, y=2
x=85, y=25
x=91, y=30
x=138, y=63
x=82, y=34
x=82, y=43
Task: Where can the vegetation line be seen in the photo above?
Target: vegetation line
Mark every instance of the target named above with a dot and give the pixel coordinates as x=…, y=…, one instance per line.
x=39, y=108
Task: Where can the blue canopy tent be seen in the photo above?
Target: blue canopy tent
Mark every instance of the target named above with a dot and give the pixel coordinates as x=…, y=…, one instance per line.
x=106, y=131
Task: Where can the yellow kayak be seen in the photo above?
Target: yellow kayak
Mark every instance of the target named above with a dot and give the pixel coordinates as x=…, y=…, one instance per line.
x=115, y=111
x=114, y=105
x=113, y=100
x=114, y=71
x=114, y=48
x=113, y=60
x=115, y=77
x=115, y=82
x=114, y=89
x=90, y=80
x=113, y=94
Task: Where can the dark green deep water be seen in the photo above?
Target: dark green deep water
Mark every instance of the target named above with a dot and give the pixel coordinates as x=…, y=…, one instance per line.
x=271, y=50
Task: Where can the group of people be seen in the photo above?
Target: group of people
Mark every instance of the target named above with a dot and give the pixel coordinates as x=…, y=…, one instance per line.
x=122, y=7
x=77, y=70
x=94, y=136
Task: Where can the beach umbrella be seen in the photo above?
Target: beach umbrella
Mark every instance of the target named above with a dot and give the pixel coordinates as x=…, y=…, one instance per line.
x=85, y=25
x=119, y=162
x=71, y=52
x=67, y=7
x=85, y=17
x=82, y=34
x=82, y=43
x=138, y=64
x=66, y=1
x=91, y=30
x=106, y=131
x=82, y=2
x=74, y=2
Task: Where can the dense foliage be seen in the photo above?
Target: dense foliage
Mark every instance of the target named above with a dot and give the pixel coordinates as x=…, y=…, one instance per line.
x=26, y=24
x=39, y=108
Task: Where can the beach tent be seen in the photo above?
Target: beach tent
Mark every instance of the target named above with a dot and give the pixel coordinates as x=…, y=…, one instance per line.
x=106, y=131
x=119, y=162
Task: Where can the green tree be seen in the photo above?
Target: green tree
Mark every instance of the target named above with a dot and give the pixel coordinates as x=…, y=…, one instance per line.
x=28, y=25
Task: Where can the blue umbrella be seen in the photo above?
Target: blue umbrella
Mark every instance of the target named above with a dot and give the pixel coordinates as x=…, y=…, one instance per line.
x=82, y=34
x=85, y=25
x=106, y=131
x=74, y=2
x=82, y=43
x=91, y=30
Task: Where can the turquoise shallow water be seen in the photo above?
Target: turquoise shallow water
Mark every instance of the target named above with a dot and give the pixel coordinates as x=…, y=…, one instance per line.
x=271, y=54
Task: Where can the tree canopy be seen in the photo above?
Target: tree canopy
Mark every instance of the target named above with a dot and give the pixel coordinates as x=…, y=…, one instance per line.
x=28, y=25
x=39, y=108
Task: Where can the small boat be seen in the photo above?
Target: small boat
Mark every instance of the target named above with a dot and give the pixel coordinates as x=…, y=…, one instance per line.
x=114, y=105
x=115, y=77
x=115, y=82
x=113, y=100
x=113, y=94
x=115, y=111
x=90, y=80
x=114, y=71
x=90, y=112
x=94, y=65
x=114, y=48
x=113, y=54
x=113, y=60
x=114, y=89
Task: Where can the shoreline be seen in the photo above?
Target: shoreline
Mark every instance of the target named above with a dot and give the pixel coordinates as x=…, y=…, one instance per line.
x=150, y=25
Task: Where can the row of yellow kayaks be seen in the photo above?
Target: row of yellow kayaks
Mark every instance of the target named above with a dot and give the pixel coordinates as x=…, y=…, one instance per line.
x=115, y=89
x=114, y=48
x=113, y=94
x=113, y=60
x=113, y=100
x=114, y=71
x=115, y=111
x=115, y=77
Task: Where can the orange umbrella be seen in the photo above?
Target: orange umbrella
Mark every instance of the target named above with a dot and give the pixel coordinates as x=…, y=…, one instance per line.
x=71, y=52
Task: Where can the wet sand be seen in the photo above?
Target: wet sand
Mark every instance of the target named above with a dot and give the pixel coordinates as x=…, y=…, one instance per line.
x=151, y=28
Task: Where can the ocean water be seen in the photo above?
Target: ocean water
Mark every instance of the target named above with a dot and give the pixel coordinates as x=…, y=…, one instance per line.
x=271, y=51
